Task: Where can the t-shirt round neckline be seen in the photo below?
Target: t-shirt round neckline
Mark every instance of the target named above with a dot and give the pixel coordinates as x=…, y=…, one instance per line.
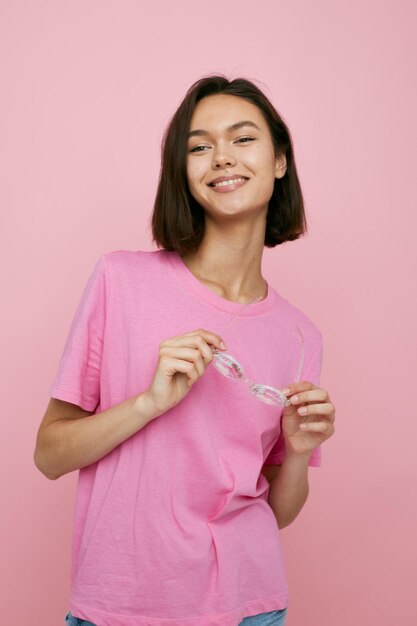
x=204, y=293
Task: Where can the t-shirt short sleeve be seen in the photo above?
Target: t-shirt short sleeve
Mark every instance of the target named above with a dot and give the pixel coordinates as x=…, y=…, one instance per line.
x=78, y=376
x=311, y=373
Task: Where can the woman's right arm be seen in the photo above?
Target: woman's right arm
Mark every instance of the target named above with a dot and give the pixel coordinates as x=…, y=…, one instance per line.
x=70, y=438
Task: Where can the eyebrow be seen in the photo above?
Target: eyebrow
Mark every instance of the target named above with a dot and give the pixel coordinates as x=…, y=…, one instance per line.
x=203, y=133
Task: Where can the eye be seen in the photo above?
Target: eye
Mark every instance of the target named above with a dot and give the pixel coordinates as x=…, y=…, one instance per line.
x=246, y=139
x=197, y=148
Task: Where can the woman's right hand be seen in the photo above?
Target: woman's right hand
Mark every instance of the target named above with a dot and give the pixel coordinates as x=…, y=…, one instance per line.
x=182, y=360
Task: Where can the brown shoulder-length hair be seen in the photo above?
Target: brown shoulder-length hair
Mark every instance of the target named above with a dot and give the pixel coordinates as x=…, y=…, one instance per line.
x=178, y=219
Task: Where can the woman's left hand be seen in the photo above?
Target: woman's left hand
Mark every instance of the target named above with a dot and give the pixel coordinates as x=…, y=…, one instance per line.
x=308, y=420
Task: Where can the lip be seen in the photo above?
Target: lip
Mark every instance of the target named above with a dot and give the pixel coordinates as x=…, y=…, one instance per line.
x=228, y=188
x=220, y=179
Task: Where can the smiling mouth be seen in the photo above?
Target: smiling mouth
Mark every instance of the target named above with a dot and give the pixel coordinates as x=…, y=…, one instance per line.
x=228, y=183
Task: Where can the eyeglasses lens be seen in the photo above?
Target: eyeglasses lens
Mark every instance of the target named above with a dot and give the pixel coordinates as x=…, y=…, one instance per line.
x=229, y=367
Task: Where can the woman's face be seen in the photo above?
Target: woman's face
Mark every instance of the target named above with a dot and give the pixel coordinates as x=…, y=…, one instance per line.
x=221, y=147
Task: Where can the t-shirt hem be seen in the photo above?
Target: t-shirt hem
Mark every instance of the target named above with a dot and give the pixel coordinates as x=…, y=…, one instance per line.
x=69, y=396
x=248, y=609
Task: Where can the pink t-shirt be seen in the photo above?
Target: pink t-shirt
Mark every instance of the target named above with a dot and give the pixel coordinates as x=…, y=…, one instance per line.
x=173, y=527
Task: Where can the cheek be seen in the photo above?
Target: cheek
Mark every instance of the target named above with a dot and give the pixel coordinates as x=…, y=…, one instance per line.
x=260, y=160
x=268, y=168
x=194, y=176
x=267, y=179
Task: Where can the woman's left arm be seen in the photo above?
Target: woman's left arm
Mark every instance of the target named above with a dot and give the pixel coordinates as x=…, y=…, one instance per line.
x=307, y=422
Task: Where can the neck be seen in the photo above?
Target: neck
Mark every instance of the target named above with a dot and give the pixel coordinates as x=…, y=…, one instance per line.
x=232, y=271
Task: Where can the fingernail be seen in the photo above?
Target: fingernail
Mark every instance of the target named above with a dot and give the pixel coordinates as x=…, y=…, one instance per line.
x=223, y=345
x=286, y=391
x=294, y=399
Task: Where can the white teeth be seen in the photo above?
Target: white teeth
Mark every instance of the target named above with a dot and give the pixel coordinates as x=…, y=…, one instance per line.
x=227, y=182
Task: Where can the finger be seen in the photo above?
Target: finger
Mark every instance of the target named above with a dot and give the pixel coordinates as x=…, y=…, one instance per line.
x=324, y=409
x=313, y=395
x=293, y=388
x=172, y=366
x=318, y=427
x=190, y=341
x=188, y=355
x=211, y=338
x=204, y=356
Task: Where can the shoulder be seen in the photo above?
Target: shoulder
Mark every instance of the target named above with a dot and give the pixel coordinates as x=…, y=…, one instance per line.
x=291, y=315
x=130, y=262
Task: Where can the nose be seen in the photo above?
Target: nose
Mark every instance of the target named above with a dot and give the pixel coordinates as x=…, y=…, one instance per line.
x=223, y=158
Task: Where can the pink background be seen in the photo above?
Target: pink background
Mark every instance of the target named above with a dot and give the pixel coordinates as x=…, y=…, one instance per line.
x=87, y=90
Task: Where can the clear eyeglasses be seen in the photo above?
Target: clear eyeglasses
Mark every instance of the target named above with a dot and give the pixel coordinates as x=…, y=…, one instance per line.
x=229, y=367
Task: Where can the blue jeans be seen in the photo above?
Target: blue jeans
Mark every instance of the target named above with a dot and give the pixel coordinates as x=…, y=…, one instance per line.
x=70, y=620
x=274, y=618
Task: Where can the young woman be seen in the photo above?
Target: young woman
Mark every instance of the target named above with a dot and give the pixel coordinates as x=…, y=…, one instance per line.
x=188, y=391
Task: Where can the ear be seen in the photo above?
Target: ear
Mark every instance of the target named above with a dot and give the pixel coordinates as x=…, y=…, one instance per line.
x=280, y=166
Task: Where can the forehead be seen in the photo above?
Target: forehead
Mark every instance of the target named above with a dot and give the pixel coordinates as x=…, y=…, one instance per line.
x=220, y=111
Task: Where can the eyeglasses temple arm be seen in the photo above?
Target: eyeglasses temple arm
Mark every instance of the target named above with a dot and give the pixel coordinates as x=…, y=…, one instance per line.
x=301, y=364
